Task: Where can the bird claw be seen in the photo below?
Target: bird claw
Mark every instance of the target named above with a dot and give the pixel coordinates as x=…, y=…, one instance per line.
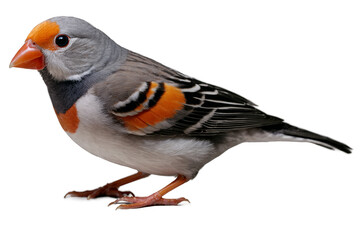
x=107, y=190
x=152, y=200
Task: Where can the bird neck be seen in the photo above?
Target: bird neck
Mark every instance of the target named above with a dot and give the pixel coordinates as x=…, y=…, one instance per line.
x=64, y=93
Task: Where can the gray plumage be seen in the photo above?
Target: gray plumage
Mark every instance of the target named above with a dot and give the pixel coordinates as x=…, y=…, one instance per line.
x=108, y=83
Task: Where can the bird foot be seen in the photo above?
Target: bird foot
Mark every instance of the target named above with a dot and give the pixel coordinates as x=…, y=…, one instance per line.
x=108, y=190
x=152, y=200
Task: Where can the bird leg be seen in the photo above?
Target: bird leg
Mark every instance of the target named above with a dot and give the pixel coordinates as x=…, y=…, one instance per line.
x=153, y=199
x=110, y=189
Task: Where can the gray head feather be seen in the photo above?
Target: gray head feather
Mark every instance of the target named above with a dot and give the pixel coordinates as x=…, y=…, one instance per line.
x=89, y=50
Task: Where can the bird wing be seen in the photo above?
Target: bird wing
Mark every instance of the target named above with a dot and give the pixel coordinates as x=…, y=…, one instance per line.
x=171, y=103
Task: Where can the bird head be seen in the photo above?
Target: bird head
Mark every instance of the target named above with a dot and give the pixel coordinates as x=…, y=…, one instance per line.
x=67, y=47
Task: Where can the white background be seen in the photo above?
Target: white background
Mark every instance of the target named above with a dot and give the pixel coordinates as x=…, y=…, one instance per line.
x=298, y=60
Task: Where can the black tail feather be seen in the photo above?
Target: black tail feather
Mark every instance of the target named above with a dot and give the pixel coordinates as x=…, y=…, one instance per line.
x=289, y=130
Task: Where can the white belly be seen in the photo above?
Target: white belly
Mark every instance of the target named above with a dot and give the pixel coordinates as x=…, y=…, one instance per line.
x=98, y=134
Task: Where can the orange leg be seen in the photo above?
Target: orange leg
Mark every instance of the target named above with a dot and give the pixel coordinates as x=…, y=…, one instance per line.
x=110, y=189
x=153, y=199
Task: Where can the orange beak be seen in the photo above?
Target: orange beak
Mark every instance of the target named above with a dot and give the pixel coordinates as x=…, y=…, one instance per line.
x=29, y=56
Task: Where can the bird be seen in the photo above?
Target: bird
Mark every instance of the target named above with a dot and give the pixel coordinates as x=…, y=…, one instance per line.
x=136, y=112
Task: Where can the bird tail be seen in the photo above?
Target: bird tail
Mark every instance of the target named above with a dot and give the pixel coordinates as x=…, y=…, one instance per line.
x=302, y=134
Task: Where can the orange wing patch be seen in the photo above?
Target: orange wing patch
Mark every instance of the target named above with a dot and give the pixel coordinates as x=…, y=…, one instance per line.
x=170, y=102
x=69, y=121
x=44, y=33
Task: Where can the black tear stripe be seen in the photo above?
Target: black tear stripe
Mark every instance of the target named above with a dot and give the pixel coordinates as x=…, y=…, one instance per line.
x=131, y=106
x=157, y=95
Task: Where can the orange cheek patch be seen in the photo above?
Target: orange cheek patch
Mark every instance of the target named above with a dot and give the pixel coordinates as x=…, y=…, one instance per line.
x=44, y=34
x=69, y=121
x=170, y=102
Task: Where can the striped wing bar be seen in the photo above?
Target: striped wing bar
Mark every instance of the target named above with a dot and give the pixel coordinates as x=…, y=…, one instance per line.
x=185, y=106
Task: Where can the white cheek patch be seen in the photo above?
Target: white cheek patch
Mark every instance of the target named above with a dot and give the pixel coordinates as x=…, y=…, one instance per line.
x=55, y=66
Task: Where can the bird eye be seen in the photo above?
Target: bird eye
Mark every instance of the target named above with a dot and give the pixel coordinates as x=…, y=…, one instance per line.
x=62, y=40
